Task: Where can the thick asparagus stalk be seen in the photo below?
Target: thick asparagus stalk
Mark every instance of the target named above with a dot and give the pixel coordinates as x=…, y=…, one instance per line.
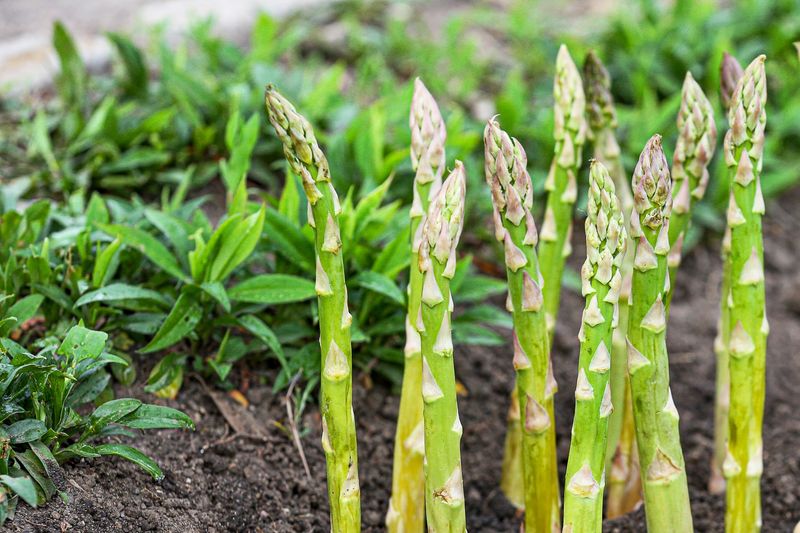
x=731, y=73
x=602, y=280
x=406, y=507
x=338, y=423
x=512, y=198
x=747, y=335
x=569, y=131
x=666, y=494
x=620, y=456
x=697, y=140
x=441, y=230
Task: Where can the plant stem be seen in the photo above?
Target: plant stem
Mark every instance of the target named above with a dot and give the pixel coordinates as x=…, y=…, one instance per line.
x=406, y=512
x=747, y=335
x=569, y=132
x=338, y=423
x=697, y=139
x=731, y=73
x=663, y=473
x=441, y=230
x=602, y=281
x=512, y=198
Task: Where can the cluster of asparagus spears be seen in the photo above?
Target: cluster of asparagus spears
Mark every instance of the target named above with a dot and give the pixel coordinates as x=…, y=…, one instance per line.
x=626, y=421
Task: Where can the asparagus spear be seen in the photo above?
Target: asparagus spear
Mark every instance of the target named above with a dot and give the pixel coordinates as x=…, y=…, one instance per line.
x=666, y=494
x=697, y=139
x=561, y=184
x=338, y=423
x=570, y=133
x=512, y=199
x=602, y=280
x=441, y=230
x=406, y=509
x=624, y=489
x=747, y=336
x=731, y=73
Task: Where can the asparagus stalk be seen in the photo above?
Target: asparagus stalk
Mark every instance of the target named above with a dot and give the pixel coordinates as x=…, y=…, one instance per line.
x=441, y=230
x=561, y=185
x=338, y=423
x=731, y=73
x=624, y=490
x=406, y=509
x=602, y=280
x=512, y=199
x=747, y=336
x=697, y=140
x=666, y=494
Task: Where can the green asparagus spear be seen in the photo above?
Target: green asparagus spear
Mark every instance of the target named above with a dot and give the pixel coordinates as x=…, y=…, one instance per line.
x=406, y=507
x=731, y=73
x=747, y=335
x=666, y=494
x=602, y=280
x=697, y=139
x=554, y=247
x=561, y=184
x=620, y=456
x=338, y=423
x=441, y=230
x=512, y=199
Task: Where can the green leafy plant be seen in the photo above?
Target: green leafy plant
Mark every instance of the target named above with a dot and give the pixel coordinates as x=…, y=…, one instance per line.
x=45, y=423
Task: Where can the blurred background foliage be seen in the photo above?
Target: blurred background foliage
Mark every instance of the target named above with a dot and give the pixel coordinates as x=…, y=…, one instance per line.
x=168, y=127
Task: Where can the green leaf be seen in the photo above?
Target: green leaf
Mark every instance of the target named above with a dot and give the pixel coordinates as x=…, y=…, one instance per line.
x=149, y=416
x=55, y=294
x=133, y=60
x=217, y=291
x=395, y=256
x=166, y=378
x=486, y=314
x=257, y=327
x=41, y=144
x=133, y=455
x=106, y=264
x=81, y=343
x=273, y=289
x=380, y=284
x=121, y=291
x=368, y=205
x=474, y=335
x=136, y=158
x=237, y=245
x=175, y=229
x=181, y=321
x=22, y=310
x=147, y=245
x=72, y=78
x=477, y=288
x=112, y=411
x=23, y=487
x=27, y=430
x=289, y=241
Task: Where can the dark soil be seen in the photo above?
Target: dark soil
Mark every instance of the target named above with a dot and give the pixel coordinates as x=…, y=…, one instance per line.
x=217, y=481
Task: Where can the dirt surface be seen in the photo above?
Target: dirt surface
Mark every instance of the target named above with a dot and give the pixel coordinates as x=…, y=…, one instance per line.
x=217, y=481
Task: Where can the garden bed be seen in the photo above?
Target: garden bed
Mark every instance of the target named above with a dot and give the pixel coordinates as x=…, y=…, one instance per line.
x=218, y=481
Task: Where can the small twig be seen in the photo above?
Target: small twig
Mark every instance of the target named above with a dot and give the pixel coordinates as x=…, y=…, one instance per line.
x=293, y=424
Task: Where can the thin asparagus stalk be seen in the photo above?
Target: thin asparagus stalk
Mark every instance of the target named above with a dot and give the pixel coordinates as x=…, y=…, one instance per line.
x=602, y=280
x=747, y=335
x=338, y=423
x=731, y=73
x=441, y=230
x=624, y=488
x=666, y=493
x=561, y=185
x=697, y=140
x=406, y=508
x=512, y=198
